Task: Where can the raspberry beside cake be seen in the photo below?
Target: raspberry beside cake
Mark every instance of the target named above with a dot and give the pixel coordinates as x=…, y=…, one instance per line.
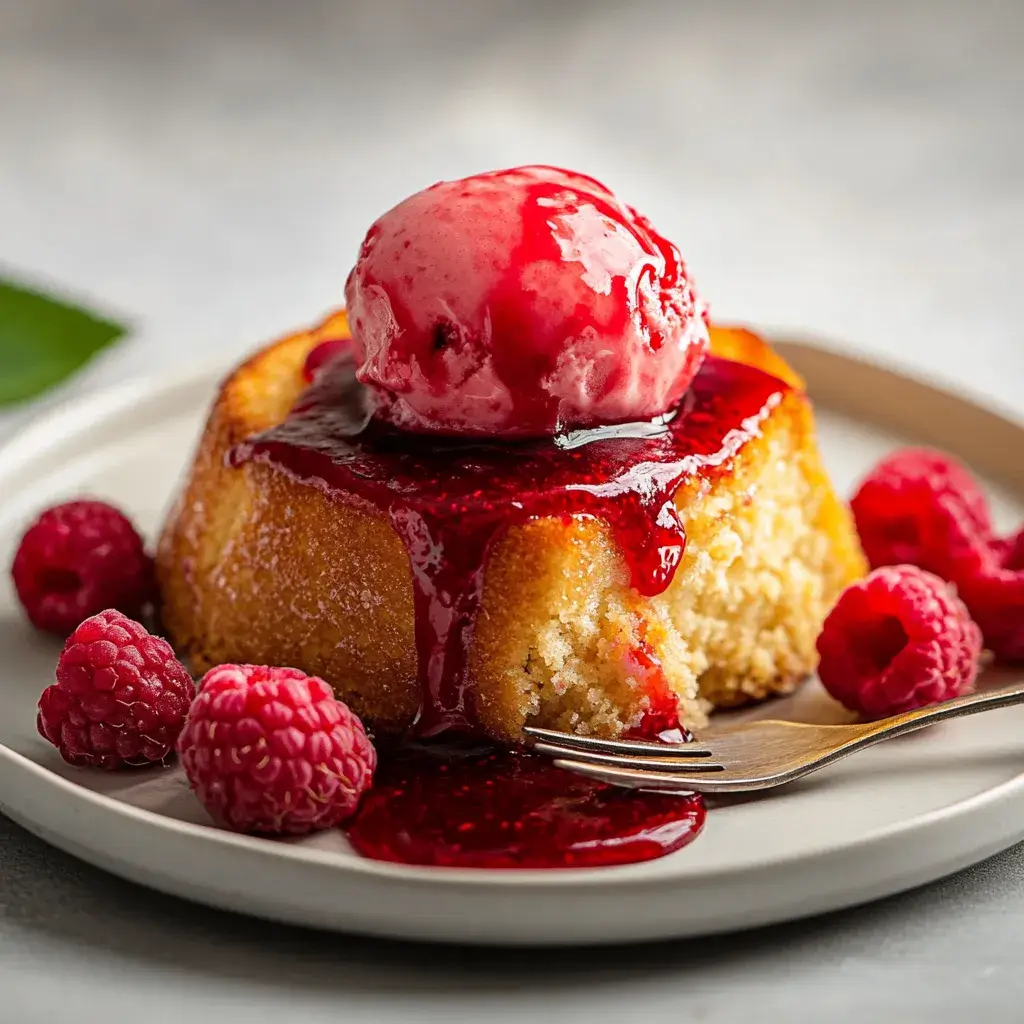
x=646, y=575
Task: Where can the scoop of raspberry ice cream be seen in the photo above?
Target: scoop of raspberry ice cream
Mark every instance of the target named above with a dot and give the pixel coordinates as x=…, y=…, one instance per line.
x=519, y=303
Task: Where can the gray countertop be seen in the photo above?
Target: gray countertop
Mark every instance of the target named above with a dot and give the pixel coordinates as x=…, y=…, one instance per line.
x=207, y=168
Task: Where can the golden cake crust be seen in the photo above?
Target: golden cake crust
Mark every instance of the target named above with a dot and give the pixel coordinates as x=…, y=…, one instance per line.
x=256, y=566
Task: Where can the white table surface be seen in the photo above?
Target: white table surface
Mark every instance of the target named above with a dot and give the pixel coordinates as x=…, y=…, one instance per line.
x=207, y=168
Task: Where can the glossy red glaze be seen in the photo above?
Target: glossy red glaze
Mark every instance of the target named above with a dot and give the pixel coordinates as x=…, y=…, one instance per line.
x=323, y=354
x=451, y=499
x=661, y=717
x=519, y=303
x=488, y=808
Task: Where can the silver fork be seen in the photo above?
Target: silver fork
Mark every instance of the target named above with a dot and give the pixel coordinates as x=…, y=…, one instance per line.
x=758, y=755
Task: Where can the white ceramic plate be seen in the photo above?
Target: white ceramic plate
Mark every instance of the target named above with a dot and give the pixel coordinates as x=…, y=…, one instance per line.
x=891, y=818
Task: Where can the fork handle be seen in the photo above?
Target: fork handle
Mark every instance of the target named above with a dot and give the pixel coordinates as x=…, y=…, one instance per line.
x=968, y=704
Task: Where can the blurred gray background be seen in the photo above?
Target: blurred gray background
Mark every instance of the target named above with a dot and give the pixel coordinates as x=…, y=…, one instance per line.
x=206, y=168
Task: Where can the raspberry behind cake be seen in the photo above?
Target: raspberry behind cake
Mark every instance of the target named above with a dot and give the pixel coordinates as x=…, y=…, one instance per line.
x=612, y=577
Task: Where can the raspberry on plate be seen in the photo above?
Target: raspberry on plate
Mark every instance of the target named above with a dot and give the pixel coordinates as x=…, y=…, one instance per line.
x=897, y=640
x=271, y=750
x=920, y=507
x=77, y=559
x=990, y=580
x=121, y=696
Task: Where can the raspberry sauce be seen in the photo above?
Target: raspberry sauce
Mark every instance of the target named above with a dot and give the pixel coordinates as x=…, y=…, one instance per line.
x=486, y=808
x=450, y=499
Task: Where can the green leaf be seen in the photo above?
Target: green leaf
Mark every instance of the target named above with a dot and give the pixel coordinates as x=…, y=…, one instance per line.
x=44, y=339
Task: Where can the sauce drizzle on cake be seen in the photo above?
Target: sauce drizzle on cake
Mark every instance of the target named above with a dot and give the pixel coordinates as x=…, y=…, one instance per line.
x=451, y=499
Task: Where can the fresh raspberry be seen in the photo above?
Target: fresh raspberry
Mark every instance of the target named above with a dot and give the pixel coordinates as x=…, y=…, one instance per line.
x=270, y=750
x=1013, y=551
x=990, y=580
x=1009, y=551
x=897, y=640
x=121, y=696
x=920, y=507
x=77, y=559
x=323, y=353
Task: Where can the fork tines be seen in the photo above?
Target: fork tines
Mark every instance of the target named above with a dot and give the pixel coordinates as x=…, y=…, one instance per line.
x=668, y=758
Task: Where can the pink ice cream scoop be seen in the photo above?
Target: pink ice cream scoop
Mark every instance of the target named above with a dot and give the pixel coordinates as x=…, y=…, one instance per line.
x=520, y=303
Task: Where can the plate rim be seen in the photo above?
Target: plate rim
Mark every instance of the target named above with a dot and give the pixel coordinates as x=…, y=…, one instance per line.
x=545, y=877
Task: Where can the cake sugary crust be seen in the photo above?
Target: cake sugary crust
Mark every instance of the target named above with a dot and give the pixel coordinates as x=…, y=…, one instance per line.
x=256, y=566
